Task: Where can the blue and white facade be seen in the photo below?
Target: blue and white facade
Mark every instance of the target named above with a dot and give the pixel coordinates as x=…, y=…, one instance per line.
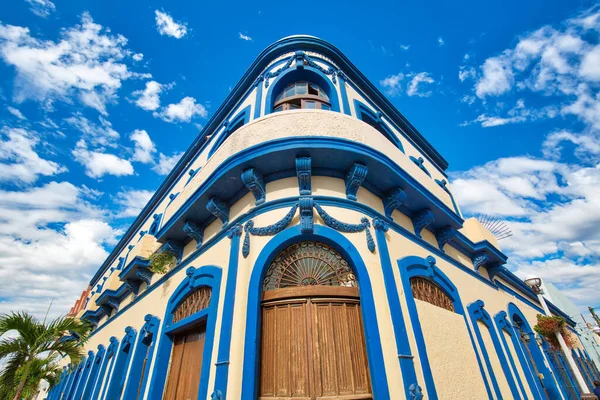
x=331, y=162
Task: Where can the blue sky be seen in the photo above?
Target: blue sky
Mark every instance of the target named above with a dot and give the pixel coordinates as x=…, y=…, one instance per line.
x=98, y=100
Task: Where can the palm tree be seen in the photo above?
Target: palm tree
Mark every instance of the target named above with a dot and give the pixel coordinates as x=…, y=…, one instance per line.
x=37, y=340
x=46, y=369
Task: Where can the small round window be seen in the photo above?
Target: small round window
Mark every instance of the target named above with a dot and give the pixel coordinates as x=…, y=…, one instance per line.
x=301, y=95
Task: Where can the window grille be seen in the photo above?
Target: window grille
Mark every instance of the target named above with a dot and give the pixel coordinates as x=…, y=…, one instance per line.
x=308, y=264
x=425, y=290
x=196, y=301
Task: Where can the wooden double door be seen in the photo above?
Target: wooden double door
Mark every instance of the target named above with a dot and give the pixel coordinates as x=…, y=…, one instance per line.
x=313, y=345
x=186, y=365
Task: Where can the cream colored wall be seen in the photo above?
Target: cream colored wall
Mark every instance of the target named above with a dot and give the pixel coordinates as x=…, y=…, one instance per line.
x=450, y=350
x=494, y=360
x=475, y=231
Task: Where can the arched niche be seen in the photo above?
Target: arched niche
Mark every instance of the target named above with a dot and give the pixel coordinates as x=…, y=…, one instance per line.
x=308, y=74
x=343, y=246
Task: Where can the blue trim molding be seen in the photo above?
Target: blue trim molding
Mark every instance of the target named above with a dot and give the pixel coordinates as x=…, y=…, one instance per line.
x=350, y=253
x=503, y=327
x=107, y=364
x=204, y=276
x=405, y=357
x=478, y=313
x=239, y=120
x=222, y=366
x=118, y=375
x=520, y=323
x=374, y=119
x=144, y=350
x=414, y=266
x=93, y=377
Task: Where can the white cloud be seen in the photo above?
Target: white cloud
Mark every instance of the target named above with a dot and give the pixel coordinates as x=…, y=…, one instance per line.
x=465, y=73
x=245, y=37
x=415, y=86
x=149, y=98
x=85, y=63
x=497, y=77
x=587, y=146
x=144, y=147
x=98, y=164
x=19, y=161
x=132, y=201
x=183, y=111
x=405, y=46
x=518, y=114
x=41, y=8
x=392, y=85
x=441, y=41
x=16, y=112
x=137, y=57
x=101, y=134
x=166, y=163
x=51, y=242
x=167, y=26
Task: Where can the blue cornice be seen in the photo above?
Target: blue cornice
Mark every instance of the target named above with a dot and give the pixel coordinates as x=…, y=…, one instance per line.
x=531, y=298
x=285, y=45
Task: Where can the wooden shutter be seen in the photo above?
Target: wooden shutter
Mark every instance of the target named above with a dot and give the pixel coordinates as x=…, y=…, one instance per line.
x=186, y=365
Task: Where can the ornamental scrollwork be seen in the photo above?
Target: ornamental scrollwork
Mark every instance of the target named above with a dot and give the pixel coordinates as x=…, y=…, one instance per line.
x=269, y=230
x=348, y=228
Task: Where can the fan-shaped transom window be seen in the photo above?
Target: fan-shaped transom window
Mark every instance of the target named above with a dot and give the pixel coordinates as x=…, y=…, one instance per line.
x=425, y=290
x=196, y=301
x=302, y=95
x=308, y=264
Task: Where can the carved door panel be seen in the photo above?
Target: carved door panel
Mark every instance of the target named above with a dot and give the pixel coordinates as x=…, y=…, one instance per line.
x=313, y=348
x=186, y=365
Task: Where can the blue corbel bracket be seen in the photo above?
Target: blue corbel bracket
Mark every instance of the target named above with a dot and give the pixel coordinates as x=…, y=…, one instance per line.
x=254, y=182
x=395, y=198
x=172, y=247
x=480, y=259
x=216, y=395
x=306, y=214
x=354, y=178
x=219, y=209
x=422, y=220
x=155, y=224
x=303, y=170
x=347, y=228
x=194, y=231
x=269, y=230
x=136, y=272
x=445, y=235
x=493, y=270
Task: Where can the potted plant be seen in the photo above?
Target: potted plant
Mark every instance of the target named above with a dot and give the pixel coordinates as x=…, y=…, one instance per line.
x=549, y=326
x=161, y=262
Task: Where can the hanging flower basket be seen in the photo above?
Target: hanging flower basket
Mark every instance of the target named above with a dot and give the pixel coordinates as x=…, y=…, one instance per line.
x=161, y=262
x=548, y=327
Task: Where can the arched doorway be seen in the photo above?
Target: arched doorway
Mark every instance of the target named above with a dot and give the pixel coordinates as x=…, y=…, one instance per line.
x=312, y=336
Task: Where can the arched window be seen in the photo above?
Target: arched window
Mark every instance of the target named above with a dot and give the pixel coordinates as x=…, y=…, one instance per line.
x=425, y=290
x=301, y=94
x=198, y=300
x=308, y=264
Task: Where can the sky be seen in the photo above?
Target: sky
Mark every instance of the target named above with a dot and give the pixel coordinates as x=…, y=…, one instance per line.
x=98, y=100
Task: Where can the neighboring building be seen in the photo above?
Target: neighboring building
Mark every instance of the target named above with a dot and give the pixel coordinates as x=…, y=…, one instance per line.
x=588, y=338
x=318, y=253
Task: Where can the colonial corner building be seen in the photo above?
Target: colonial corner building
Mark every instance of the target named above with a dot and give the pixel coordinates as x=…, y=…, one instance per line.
x=315, y=251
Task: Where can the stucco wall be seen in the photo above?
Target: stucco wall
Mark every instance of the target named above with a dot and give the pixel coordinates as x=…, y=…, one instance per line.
x=452, y=358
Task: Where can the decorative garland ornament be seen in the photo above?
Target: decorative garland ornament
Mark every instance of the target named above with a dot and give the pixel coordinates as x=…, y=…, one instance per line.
x=348, y=228
x=269, y=230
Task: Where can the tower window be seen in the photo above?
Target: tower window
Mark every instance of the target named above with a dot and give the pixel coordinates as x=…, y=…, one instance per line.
x=302, y=95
